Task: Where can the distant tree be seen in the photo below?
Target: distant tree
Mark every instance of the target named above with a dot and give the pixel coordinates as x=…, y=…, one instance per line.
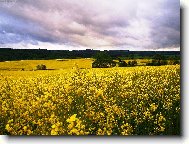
x=176, y=62
x=101, y=56
x=134, y=63
x=158, y=60
x=41, y=67
x=121, y=63
x=103, y=60
x=163, y=62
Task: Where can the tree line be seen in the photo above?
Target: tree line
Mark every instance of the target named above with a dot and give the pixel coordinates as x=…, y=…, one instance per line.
x=103, y=60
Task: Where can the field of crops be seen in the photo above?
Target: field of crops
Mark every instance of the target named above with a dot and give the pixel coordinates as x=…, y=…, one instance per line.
x=30, y=65
x=140, y=100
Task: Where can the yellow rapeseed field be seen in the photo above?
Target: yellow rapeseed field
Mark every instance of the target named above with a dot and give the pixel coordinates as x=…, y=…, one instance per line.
x=139, y=100
x=29, y=65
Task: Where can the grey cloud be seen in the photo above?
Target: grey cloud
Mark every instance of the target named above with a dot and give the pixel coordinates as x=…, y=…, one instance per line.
x=147, y=24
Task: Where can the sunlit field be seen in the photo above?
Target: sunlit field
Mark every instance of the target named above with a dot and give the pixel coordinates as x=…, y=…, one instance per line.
x=30, y=65
x=57, y=64
x=75, y=99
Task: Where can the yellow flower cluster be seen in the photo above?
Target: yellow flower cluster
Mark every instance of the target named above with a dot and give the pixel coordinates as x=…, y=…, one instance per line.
x=75, y=126
x=117, y=101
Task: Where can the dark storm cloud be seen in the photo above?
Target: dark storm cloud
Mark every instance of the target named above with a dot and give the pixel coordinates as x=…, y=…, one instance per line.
x=96, y=23
x=167, y=25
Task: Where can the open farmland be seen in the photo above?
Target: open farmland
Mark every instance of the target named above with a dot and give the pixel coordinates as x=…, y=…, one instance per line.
x=29, y=65
x=142, y=100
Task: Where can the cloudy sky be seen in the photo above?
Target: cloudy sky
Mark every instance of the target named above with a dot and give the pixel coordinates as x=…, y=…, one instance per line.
x=95, y=24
